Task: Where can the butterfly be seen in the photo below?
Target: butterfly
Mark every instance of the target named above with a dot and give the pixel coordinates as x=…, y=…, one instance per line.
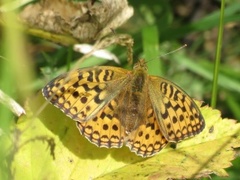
x=113, y=107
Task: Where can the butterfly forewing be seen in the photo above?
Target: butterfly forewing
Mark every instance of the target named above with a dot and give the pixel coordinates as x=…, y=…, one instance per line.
x=178, y=115
x=81, y=93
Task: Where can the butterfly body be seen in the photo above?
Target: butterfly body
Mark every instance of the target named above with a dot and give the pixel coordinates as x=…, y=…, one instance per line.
x=113, y=106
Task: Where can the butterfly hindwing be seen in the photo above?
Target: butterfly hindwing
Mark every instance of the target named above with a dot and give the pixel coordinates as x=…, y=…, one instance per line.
x=104, y=130
x=147, y=139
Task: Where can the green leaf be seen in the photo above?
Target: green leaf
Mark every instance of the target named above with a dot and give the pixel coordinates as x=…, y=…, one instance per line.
x=49, y=146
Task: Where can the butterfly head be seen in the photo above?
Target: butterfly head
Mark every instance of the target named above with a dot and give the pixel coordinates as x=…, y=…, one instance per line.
x=141, y=64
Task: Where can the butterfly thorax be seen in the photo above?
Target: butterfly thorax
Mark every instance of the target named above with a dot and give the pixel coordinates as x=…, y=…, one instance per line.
x=135, y=99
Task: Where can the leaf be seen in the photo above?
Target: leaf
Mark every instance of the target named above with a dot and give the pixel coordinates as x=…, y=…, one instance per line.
x=49, y=146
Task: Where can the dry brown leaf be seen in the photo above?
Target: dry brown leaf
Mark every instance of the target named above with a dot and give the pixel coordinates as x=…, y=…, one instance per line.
x=85, y=20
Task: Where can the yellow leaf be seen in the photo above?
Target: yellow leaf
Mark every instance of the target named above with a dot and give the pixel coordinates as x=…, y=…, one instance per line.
x=49, y=146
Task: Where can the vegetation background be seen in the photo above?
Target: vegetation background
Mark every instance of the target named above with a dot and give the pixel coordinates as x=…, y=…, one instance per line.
x=27, y=62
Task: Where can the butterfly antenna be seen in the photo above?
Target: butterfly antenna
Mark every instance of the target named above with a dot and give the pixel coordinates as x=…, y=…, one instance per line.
x=185, y=45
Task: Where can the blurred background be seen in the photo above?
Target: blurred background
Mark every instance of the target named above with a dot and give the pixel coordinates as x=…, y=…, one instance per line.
x=28, y=61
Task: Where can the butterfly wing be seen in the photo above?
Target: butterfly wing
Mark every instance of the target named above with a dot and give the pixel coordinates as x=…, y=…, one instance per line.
x=147, y=139
x=87, y=96
x=110, y=129
x=104, y=130
x=82, y=93
x=177, y=114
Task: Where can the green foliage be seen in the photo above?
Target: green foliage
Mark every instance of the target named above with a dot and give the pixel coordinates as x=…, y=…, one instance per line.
x=42, y=145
